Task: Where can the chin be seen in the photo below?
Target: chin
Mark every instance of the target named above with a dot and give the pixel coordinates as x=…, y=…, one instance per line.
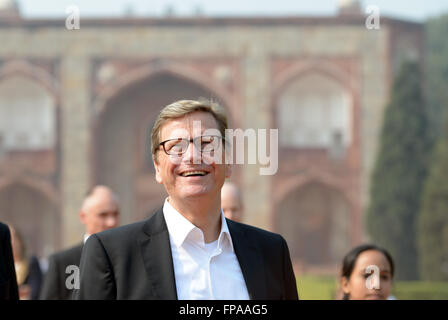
x=195, y=193
x=374, y=297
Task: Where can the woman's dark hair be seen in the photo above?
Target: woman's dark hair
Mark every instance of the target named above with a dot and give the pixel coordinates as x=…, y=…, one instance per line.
x=349, y=261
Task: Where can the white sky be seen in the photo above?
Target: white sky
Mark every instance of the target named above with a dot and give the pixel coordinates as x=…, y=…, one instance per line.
x=417, y=10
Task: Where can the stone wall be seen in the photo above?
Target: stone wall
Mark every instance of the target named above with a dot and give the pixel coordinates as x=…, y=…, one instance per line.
x=245, y=63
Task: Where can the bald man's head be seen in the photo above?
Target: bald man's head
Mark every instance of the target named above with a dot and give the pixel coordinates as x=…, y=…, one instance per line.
x=231, y=202
x=100, y=210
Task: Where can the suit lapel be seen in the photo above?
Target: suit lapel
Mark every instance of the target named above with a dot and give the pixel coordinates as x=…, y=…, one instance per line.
x=250, y=260
x=156, y=252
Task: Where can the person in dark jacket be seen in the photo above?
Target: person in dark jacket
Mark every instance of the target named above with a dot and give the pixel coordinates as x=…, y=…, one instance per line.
x=99, y=212
x=8, y=282
x=28, y=271
x=187, y=250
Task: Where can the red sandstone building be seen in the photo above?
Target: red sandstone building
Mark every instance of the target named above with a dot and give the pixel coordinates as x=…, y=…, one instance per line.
x=76, y=109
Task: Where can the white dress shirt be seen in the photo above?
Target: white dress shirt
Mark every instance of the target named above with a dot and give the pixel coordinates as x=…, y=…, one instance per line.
x=202, y=270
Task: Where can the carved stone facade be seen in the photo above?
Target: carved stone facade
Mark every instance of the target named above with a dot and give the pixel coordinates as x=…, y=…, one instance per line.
x=107, y=81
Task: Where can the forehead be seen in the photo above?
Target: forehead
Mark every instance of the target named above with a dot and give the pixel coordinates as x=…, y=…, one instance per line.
x=229, y=193
x=372, y=257
x=188, y=124
x=100, y=202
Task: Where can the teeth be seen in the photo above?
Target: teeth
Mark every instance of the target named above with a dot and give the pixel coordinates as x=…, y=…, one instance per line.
x=190, y=173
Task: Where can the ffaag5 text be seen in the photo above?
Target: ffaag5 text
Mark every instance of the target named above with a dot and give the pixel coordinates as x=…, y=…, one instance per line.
x=239, y=309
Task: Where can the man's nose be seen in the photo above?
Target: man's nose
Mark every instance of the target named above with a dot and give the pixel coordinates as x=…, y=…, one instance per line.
x=193, y=154
x=111, y=222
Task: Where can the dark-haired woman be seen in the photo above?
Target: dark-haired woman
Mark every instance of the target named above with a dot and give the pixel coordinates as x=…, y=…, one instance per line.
x=367, y=273
x=28, y=272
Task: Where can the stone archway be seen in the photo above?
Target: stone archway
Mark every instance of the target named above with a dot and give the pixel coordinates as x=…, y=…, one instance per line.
x=315, y=220
x=27, y=115
x=122, y=145
x=313, y=111
x=34, y=214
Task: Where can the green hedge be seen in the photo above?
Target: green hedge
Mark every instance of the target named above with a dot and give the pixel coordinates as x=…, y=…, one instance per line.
x=316, y=288
x=419, y=290
x=325, y=288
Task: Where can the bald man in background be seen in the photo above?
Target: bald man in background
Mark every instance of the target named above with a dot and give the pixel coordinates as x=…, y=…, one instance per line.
x=99, y=212
x=231, y=202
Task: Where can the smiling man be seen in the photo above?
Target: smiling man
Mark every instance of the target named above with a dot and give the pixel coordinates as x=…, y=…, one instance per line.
x=188, y=249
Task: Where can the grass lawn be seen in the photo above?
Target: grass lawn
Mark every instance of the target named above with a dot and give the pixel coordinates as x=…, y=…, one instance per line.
x=325, y=287
x=316, y=287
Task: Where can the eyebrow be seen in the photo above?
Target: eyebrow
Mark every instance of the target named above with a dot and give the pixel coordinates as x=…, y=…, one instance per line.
x=104, y=212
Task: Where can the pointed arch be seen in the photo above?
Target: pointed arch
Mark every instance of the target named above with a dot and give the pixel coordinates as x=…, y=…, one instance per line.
x=34, y=73
x=28, y=108
x=32, y=207
x=315, y=220
x=148, y=71
x=314, y=107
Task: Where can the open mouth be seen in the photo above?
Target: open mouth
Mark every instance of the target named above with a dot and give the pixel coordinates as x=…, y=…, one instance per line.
x=195, y=173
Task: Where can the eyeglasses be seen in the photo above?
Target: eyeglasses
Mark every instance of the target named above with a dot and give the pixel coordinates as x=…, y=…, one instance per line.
x=178, y=146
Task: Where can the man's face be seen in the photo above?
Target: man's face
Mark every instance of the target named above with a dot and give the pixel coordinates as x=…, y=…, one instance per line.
x=16, y=245
x=175, y=171
x=100, y=213
x=231, y=204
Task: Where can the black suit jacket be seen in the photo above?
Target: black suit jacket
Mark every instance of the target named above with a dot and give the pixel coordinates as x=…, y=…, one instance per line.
x=34, y=278
x=135, y=262
x=8, y=280
x=54, y=287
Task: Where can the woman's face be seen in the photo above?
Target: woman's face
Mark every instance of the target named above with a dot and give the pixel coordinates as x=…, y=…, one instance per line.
x=371, y=278
x=16, y=245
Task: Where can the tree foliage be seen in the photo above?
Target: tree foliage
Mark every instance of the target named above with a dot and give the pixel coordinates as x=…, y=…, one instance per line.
x=436, y=59
x=432, y=234
x=432, y=237
x=399, y=171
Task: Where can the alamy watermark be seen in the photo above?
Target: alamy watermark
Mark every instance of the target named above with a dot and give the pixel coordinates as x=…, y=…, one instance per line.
x=373, y=18
x=72, y=281
x=257, y=147
x=373, y=281
x=73, y=21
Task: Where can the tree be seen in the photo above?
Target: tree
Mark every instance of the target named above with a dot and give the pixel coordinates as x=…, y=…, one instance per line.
x=436, y=57
x=432, y=236
x=399, y=171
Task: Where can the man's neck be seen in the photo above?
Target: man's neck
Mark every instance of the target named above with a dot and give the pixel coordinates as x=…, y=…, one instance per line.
x=203, y=213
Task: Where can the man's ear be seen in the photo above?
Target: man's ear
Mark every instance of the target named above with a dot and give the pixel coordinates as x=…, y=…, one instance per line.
x=157, y=167
x=228, y=170
x=82, y=217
